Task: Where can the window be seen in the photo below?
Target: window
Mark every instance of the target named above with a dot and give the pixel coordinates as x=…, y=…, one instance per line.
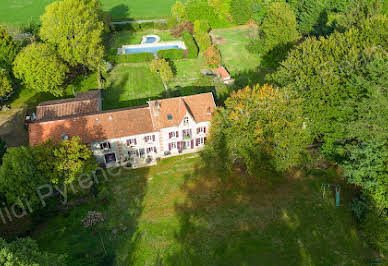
x=186, y=132
x=173, y=134
x=151, y=149
x=110, y=158
x=186, y=121
x=169, y=116
x=105, y=146
x=171, y=145
x=131, y=142
x=200, y=141
x=133, y=153
x=149, y=138
x=201, y=130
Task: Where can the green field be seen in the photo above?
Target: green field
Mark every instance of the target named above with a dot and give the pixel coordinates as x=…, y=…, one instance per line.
x=180, y=213
x=132, y=85
x=23, y=11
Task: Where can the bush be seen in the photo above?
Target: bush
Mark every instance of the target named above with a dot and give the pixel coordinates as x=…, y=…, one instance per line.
x=134, y=58
x=184, y=26
x=128, y=26
x=171, y=54
x=192, y=48
x=213, y=56
x=148, y=25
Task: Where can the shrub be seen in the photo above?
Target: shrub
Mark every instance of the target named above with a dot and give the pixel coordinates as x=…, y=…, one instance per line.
x=161, y=26
x=182, y=27
x=203, y=41
x=162, y=67
x=192, y=48
x=241, y=11
x=171, y=54
x=128, y=26
x=148, y=25
x=213, y=56
x=201, y=26
x=134, y=58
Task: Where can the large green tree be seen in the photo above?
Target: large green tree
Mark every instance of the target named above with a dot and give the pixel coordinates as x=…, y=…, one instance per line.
x=277, y=32
x=259, y=126
x=8, y=49
x=19, y=176
x=25, y=252
x=41, y=69
x=5, y=84
x=75, y=28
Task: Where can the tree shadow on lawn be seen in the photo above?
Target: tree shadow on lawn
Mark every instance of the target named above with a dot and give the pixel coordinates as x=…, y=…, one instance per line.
x=266, y=220
x=120, y=12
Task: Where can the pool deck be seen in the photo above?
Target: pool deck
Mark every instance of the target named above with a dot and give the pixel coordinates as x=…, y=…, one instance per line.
x=180, y=44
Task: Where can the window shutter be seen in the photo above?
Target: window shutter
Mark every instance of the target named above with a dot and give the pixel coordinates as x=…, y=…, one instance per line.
x=134, y=140
x=204, y=140
x=204, y=130
x=109, y=145
x=192, y=144
x=153, y=137
x=179, y=145
x=169, y=146
x=137, y=153
x=169, y=135
x=190, y=132
x=101, y=146
x=196, y=142
x=155, y=150
x=177, y=134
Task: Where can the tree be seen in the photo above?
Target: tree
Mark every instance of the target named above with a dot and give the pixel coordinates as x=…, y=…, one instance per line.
x=201, y=34
x=19, y=176
x=162, y=67
x=241, y=11
x=221, y=7
x=8, y=49
x=71, y=159
x=75, y=28
x=3, y=149
x=261, y=127
x=40, y=68
x=278, y=31
x=213, y=56
x=5, y=85
x=25, y=252
x=178, y=11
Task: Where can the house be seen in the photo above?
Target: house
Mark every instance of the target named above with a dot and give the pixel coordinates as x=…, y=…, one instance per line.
x=224, y=75
x=132, y=136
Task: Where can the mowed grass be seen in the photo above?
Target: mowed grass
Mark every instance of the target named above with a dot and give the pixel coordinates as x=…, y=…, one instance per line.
x=131, y=85
x=232, y=44
x=23, y=11
x=180, y=213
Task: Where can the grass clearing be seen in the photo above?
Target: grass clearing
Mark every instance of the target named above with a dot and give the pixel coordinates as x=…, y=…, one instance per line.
x=131, y=85
x=23, y=11
x=179, y=213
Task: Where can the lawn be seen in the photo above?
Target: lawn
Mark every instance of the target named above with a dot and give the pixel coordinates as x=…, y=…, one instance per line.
x=246, y=68
x=131, y=85
x=23, y=11
x=180, y=213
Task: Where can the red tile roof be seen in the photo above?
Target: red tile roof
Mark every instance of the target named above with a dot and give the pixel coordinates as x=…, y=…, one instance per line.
x=222, y=72
x=199, y=106
x=124, y=122
x=96, y=127
x=84, y=103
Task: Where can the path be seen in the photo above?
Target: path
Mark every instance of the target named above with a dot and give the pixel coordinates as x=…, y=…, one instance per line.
x=12, y=127
x=140, y=21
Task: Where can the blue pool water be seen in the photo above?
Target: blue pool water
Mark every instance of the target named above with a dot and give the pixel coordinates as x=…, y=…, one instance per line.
x=150, y=40
x=154, y=49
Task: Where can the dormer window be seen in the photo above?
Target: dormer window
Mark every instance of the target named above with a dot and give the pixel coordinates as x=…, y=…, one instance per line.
x=105, y=146
x=186, y=121
x=169, y=116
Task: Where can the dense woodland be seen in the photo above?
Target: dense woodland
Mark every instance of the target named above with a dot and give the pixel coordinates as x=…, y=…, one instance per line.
x=328, y=91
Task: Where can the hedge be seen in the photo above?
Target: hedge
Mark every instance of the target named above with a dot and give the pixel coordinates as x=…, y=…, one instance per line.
x=192, y=48
x=171, y=54
x=139, y=27
x=134, y=58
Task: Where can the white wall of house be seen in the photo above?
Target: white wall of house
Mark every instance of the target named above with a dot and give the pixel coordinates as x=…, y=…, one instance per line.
x=121, y=147
x=174, y=145
x=158, y=144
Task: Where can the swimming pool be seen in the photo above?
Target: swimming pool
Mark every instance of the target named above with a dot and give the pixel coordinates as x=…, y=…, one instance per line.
x=150, y=39
x=150, y=49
